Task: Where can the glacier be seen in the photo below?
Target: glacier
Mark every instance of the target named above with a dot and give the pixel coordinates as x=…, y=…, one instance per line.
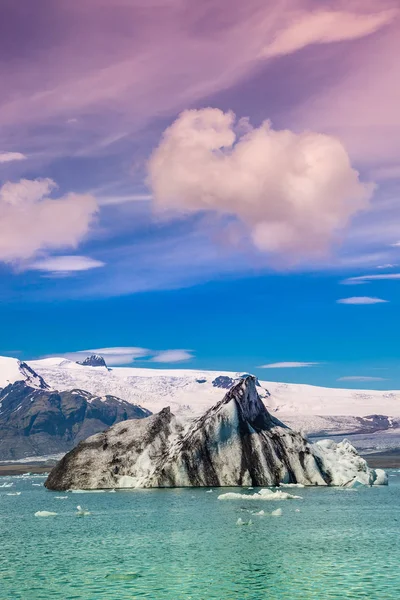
x=236, y=442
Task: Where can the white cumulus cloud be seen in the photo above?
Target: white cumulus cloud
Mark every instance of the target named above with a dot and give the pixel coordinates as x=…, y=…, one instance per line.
x=288, y=365
x=361, y=300
x=65, y=264
x=294, y=192
x=6, y=157
x=30, y=220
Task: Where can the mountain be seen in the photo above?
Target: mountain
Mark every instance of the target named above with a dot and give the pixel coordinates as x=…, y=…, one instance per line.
x=235, y=443
x=37, y=421
x=95, y=360
x=370, y=417
x=12, y=369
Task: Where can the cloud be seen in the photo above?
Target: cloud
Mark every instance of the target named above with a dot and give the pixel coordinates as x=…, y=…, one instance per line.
x=185, y=52
x=125, y=355
x=294, y=192
x=31, y=221
x=288, y=365
x=360, y=378
x=65, y=264
x=172, y=356
x=367, y=278
x=11, y=156
x=347, y=105
x=387, y=172
x=361, y=300
x=122, y=355
x=386, y=266
x=123, y=199
x=324, y=26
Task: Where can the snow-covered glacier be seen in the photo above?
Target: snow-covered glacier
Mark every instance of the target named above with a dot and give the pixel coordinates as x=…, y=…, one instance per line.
x=236, y=442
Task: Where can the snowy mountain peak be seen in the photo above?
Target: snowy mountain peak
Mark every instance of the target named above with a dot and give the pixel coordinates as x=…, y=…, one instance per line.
x=95, y=360
x=31, y=378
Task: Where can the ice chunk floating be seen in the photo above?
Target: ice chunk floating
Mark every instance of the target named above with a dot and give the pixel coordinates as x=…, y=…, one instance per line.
x=45, y=513
x=235, y=443
x=261, y=495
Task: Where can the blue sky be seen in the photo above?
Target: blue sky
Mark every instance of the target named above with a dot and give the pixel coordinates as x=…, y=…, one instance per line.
x=233, y=324
x=206, y=187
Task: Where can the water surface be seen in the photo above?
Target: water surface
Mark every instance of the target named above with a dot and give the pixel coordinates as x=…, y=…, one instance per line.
x=185, y=544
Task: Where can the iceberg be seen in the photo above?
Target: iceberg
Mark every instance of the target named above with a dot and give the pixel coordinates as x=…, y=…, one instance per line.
x=235, y=443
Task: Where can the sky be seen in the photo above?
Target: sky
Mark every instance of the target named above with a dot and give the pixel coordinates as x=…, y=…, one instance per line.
x=207, y=185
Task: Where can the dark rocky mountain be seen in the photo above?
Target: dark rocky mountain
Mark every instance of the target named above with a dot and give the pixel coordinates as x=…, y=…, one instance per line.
x=235, y=443
x=37, y=421
x=95, y=360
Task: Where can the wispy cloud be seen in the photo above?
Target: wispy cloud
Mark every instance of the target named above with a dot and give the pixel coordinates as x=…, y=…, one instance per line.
x=65, y=264
x=326, y=26
x=125, y=355
x=6, y=157
x=347, y=105
x=386, y=172
x=122, y=355
x=361, y=300
x=123, y=199
x=288, y=365
x=183, y=54
x=387, y=266
x=367, y=278
x=172, y=356
x=361, y=378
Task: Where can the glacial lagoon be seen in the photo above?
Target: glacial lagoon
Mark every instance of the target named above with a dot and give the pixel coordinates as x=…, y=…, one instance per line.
x=185, y=544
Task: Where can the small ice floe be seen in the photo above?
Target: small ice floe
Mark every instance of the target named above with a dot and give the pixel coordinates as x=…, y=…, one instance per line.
x=260, y=513
x=250, y=488
x=60, y=497
x=13, y=494
x=209, y=491
x=82, y=512
x=297, y=510
x=37, y=484
x=291, y=485
x=276, y=513
x=45, y=513
x=264, y=494
x=86, y=491
x=112, y=491
x=241, y=522
x=6, y=484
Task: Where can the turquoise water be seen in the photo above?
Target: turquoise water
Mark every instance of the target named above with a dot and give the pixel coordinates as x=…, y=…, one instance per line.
x=185, y=544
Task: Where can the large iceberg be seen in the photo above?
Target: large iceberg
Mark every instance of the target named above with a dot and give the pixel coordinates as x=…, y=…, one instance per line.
x=235, y=443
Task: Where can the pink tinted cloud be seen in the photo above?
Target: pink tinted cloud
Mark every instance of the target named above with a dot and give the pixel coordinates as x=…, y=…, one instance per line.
x=96, y=66
x=361, y=106
x=32, y=221
x=293, y=192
